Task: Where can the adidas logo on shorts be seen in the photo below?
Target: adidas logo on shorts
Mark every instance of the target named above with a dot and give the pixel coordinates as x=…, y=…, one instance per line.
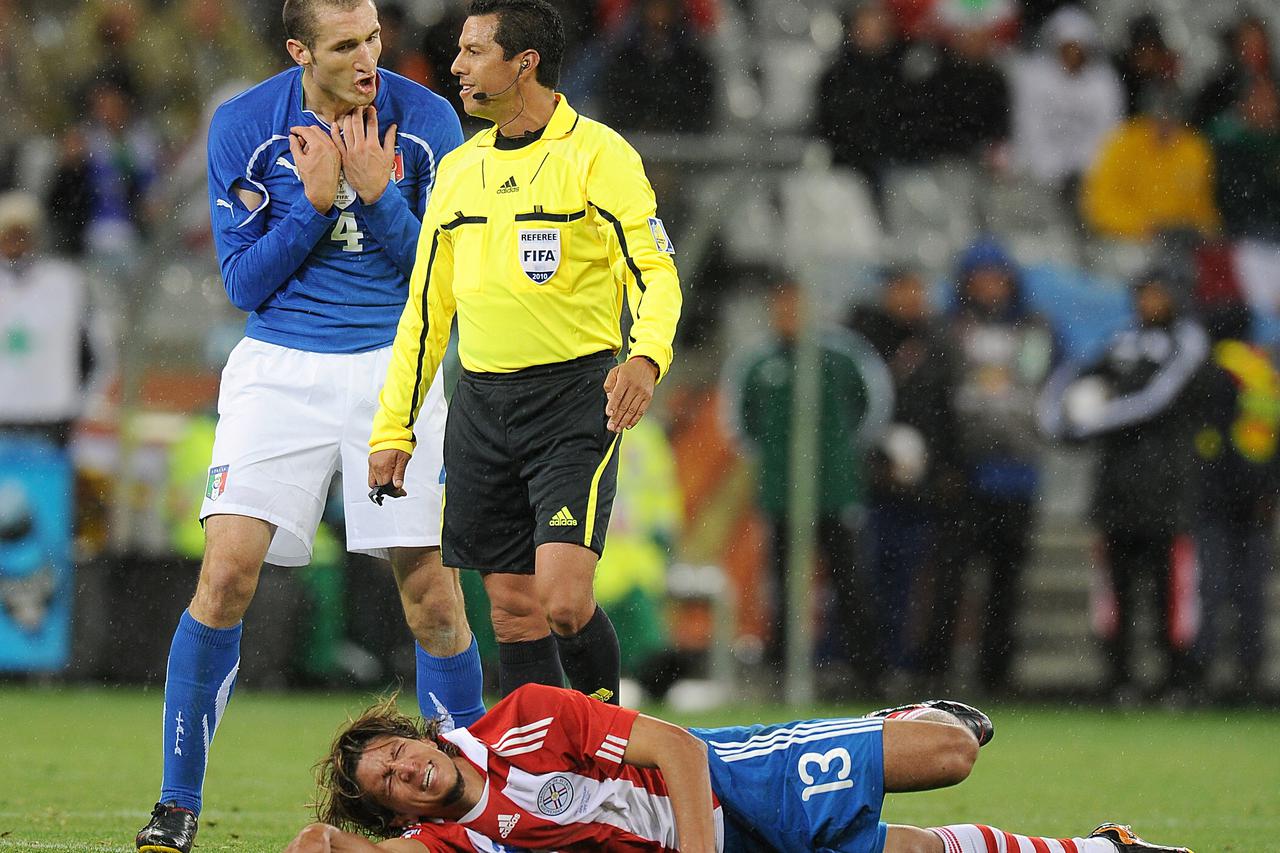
x=563, y=518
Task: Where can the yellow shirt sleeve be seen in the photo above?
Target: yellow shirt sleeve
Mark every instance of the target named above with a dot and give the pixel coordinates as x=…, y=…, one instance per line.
x=421, y=337
x=640, y=253
x=1107, y=196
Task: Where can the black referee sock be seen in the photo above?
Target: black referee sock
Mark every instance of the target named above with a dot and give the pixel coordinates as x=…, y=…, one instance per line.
x=592, y=658
x=529, y=662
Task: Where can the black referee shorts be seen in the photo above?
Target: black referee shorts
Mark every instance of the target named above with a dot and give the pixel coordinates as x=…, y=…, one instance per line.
x=528, y=460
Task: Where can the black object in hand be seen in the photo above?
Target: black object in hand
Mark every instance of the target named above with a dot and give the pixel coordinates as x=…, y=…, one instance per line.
x=379, y=493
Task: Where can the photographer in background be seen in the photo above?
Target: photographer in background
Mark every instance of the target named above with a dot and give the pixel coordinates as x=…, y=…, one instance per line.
x=1141, y=413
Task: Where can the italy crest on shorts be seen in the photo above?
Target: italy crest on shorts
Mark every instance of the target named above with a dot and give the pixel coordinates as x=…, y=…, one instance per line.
x=217, y=482
x=538, y=250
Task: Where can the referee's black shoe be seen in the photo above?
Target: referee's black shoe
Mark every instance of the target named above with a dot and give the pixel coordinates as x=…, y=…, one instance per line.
x=171, y=830
x=973, y=719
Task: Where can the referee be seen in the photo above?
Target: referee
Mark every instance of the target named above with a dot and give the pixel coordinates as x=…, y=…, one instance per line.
x=535, y=230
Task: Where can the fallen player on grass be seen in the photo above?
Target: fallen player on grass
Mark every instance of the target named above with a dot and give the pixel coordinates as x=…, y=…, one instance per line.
x=551, y=769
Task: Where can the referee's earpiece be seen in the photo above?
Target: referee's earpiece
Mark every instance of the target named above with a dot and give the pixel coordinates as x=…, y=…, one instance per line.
x=524, y=65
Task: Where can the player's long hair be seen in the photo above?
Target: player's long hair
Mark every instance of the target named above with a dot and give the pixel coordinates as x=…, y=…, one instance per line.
x=339, y=799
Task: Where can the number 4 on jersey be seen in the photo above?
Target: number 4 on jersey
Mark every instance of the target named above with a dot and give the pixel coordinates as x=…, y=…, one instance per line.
x=346, y=231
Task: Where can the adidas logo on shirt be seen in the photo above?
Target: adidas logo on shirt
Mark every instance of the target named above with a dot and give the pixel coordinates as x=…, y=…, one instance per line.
x=563, y=518
x=509, y=186
x=506, y=823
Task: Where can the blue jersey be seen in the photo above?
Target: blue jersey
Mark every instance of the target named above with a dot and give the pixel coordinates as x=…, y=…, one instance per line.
x=333, y=282
x=815, y=785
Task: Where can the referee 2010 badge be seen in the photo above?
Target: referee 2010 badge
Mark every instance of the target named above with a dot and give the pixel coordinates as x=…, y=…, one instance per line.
x=539, y=252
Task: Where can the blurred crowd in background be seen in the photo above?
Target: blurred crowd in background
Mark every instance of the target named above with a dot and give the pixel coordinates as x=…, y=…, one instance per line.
x=1058, y=311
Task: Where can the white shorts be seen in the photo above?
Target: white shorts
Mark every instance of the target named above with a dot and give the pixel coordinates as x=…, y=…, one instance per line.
x=288, y=420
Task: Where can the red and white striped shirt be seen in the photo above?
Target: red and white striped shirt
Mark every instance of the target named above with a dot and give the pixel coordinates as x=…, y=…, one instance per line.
x=451, y=838
x=554, y=778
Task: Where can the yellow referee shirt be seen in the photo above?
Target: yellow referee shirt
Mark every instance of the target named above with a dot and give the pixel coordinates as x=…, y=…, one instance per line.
x=532, y=249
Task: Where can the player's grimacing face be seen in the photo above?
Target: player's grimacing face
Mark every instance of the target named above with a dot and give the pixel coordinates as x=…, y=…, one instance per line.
x=480, y=67
x=344, y=58
x=413, y=778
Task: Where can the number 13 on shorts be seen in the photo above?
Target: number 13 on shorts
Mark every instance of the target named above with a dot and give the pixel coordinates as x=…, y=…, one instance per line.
x=833, y=769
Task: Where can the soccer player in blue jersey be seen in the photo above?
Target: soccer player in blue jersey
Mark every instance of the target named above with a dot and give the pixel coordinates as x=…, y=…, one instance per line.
x=318, y=179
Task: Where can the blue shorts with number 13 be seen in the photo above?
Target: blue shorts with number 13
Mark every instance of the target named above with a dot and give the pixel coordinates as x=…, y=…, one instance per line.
x=812, y=785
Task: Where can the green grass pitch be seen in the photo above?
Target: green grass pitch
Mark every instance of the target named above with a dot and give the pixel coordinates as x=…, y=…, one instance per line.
x=79, y=770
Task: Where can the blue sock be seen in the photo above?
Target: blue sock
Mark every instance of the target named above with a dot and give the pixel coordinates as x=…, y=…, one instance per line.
x=203, y=663
x=453, y=684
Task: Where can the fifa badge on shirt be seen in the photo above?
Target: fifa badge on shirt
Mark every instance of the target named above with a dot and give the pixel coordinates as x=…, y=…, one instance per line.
x=397, y=166
x=660, y=239
x=217, y=482
x=539, y=253
x=346, y=193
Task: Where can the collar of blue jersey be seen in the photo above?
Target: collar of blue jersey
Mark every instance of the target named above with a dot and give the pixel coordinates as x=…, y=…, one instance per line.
x=563, y=120
x=299, y=97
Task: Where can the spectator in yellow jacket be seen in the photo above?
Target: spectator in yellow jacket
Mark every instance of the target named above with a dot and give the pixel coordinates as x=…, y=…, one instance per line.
x=1154, y=173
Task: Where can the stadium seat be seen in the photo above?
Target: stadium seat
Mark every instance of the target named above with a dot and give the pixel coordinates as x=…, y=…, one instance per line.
x=833, y=233
x=930, y=213
x=1031, y=220
x=1117, y=259
x=790, y=76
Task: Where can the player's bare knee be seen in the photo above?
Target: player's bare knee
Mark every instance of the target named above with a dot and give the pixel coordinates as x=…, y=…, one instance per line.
x=432, y=615
x=957, y=755
x=568, y=608
x=223, y=593
x=514, y=626
x=570, y=615
x=434, y=622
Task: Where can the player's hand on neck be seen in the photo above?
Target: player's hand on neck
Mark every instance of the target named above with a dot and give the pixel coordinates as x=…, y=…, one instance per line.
x=319, y=165
x=367, y=161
